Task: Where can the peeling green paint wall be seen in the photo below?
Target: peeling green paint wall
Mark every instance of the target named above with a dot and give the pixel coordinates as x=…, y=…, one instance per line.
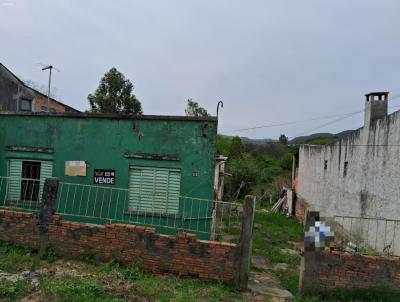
x=108, y=143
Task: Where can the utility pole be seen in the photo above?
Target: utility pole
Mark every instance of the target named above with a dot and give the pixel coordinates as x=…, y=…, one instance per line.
x=49, y=67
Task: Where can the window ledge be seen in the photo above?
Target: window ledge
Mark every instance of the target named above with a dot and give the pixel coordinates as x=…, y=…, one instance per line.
x=152, y=214
x=29, y=149
x=22, y=203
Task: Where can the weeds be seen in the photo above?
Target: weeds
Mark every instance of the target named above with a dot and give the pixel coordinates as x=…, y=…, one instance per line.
x=271, y=236
x=168, y=288
x=89, y=257
x=356, y=295
x=14, y=290
x=50, y=255
x=75, y=289
x=130, y=273
x=14, y=258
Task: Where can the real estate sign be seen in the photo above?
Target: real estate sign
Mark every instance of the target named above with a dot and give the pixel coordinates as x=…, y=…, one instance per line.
x=104, y=177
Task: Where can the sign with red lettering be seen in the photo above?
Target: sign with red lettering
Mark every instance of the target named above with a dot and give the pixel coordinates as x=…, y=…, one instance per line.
x=104, y=177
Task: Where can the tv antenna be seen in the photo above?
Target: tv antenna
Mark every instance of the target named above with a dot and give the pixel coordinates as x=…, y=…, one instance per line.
x=50, y=68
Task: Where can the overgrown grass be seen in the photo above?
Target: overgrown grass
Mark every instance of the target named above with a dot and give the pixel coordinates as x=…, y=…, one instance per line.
x=15, y=258
x=71, y=289
x=271, y=235
x=10, y=290
x=365, y=295
x=169, y=288
x=173, y=289
x=274, y=230
x=89, y=280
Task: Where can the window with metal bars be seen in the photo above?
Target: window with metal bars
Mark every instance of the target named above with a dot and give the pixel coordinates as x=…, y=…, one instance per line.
x=26, y=179
x=30, y=180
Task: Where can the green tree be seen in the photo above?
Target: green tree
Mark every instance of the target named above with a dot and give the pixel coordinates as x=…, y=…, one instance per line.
x=223, y=144
x=194, y=109
x=283, y=139
x=243, y=169
x=236, y=147
x=114, y=95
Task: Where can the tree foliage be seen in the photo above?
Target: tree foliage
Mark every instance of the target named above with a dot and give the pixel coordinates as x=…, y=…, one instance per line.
x=194, y=109
x=283, y=139
x=114, y=95
x=261, y=167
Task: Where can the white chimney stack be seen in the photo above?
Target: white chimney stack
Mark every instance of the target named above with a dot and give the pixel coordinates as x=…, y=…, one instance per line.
x=376, y=107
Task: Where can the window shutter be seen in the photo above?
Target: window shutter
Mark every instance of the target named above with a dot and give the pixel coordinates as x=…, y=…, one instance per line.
x=14, y=183
x=154, y=190
x=46, y=171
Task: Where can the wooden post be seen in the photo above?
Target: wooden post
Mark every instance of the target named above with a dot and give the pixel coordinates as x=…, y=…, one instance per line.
x=245, y=243
x=47, y=209
x=214, y=222
x=289, y=201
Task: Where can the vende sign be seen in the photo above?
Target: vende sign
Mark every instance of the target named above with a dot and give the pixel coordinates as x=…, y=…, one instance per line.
x=104, y=177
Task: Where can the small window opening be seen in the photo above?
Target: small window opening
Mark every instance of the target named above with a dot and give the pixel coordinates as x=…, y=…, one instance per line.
x=25, y=105
x=325, y=165
x=30, y=181
x=346, y=165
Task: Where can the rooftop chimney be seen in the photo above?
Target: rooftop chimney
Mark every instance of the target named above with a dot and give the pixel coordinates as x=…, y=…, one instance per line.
x=376, y=107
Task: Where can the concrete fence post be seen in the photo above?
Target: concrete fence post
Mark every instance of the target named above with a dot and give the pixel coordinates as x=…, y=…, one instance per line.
x=310, y=263
x=245, y=243
x=47, y=210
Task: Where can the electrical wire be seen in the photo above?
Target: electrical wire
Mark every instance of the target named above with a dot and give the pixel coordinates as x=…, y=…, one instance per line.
x=325, y=124
x=288, y=123
x=331, y=122
x=344, y=115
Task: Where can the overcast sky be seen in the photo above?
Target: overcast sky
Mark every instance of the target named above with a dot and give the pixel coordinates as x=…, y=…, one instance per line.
x=268, y=61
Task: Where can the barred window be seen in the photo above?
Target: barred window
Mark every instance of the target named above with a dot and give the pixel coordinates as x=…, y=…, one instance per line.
x=26, y=179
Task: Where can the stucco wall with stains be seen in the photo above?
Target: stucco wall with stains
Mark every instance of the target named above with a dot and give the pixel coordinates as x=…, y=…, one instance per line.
x=370, y=185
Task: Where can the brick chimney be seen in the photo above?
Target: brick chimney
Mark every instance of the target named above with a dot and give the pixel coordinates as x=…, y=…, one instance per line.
x=376, y=107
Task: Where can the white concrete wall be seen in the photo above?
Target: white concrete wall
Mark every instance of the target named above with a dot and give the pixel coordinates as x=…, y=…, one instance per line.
x=371, y=187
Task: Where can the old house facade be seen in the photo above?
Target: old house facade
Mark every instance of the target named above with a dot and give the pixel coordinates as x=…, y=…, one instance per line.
x=16, y=96
x=154, y=170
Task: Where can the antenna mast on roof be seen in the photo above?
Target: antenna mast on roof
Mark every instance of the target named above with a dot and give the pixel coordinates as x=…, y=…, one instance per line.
x=49, y=67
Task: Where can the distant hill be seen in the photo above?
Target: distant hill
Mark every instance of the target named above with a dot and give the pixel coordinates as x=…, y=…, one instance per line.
x=255, y=141
x=315, y=138
x=305, y=138
x=344, y=133
x=319, y=138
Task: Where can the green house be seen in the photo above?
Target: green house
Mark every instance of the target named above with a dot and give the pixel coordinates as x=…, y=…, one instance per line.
x=146, y=170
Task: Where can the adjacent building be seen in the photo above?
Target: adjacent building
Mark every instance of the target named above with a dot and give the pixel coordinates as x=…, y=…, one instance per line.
x=16, y=96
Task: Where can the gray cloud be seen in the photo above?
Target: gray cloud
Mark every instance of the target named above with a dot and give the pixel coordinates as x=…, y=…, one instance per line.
x=269, y=61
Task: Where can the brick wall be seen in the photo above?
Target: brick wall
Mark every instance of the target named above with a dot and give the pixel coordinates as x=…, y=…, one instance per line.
x=345, y=270
x=180, y=254
x=41, y=100
x=327, y=270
